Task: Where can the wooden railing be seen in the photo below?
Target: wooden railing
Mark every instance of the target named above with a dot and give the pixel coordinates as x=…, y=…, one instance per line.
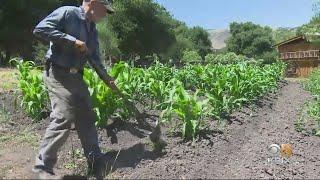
x=300, y=54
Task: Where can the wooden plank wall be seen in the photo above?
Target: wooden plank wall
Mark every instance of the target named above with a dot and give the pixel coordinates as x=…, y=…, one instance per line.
x=305, y=67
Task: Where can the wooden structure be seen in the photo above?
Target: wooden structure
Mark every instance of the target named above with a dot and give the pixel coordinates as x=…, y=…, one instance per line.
x=301, y=56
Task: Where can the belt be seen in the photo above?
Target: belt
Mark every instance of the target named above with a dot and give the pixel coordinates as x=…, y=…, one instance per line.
x=66, y=69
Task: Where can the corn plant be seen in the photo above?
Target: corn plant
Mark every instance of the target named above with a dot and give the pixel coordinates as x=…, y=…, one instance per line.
x=105, y=102
x=189, y=109
x=34, y=94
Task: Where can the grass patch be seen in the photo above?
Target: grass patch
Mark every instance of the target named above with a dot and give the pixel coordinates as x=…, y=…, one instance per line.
x=301, y=125
x=8, y=79
x=309, y=120
x=4, y=170
x=296, y=79
x=4, y=114
x=5, y=138
x=28, y=138
x=76, y=155
x=77, y=162
x=25, y=137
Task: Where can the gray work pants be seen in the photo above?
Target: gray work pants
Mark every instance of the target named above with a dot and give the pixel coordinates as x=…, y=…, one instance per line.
x=71, y=103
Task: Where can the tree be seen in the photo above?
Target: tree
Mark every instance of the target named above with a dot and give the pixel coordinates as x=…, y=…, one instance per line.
x=196, y=39
x=191, y=56
x=200, y=38
x=210, y=58
x=182, y=42
x=316, y=8
x=312, y=29
x=140, y=28
x=250, y=39
x=108, y=42
x=17, y=19
x=283, y=34
x=143, y=27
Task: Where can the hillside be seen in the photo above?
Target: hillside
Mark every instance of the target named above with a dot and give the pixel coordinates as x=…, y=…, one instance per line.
x=219, y=36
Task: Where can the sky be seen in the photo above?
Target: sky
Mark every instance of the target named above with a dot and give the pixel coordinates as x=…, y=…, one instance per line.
x=217, y=14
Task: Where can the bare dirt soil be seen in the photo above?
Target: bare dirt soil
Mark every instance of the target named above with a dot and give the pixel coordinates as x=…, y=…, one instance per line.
x=236, y=149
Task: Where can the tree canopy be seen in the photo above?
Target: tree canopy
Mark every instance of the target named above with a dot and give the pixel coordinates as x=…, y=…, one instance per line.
x=312, y=29
x=250, y=39
x=144, y=27
x=283, y=34
x=17, y=19
x=139, y=28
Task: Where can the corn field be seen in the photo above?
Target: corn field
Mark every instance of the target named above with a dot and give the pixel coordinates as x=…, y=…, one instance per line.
x=193, y=94
x=313, y=108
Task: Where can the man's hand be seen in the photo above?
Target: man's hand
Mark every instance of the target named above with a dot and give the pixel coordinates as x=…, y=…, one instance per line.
x=112, y=84
x=81, y=47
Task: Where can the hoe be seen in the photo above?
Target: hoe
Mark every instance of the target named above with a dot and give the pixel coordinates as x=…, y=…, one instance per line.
x=155, y=132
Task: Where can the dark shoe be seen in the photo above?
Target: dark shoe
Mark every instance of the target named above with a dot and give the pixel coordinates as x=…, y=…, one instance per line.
x=99, y=168
x=42, y=174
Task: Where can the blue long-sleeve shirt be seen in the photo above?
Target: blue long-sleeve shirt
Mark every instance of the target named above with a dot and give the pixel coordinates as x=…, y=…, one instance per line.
x=62, y=28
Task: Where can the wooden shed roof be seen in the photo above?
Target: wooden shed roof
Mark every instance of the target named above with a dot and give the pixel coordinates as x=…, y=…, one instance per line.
x=290, y=40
